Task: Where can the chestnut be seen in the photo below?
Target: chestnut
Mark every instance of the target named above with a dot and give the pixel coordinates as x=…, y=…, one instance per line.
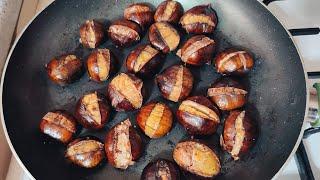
x=198, y=115
x=86, y=152
x=125, y=92
x=228, y=94
x=124, y=33
x=101, y=63
x=197, y=50
x=65, y=70
x=175, y=83
x=144, y=61
x=140, y=13
x=59, y=125
x=123, y=145
x=155, y=119
x=91, y=34
x=164, y=37
x=161, y=169
x=239, y=134
x=233, y=61
x=199, y=20
x=92, y=110
x=168, y=11
x=197, y=159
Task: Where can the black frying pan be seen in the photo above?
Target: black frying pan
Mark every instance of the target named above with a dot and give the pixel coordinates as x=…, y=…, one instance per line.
x=277, y=88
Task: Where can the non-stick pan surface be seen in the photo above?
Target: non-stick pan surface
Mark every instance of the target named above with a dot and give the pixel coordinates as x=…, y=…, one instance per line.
x=277, y=88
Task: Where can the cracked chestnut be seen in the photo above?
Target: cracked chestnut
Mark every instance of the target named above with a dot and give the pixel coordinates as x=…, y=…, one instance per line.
x=124, y=33
x=199, y=20
x=197, y=50
x=161, y=169
x=144, y=61
x=91, y=34
x=65, y=70
x=101, y=64
x=59, y=125
x=164, y=37
x=239, y=134
x=85, y=152
x=168, y=11
x=175, y=83
x=123, y=145
x=197, y=159
x=233, y=61
x=125, y=92
x=155, y=119
x=198, y=116
x=228, y=94
x=140, y=13
x=92, y=110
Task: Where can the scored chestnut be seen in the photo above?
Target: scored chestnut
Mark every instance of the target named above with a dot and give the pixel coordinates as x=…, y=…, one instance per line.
x=125, y=92
x=175, y=83
x=86, y=152
x=161, y=169
x=168, y=11
x=233, y=61
x=144, y=61
x=124, y=33
x=140, y=13
x=239, y=134
x=197, y=51
x=228, y=94
x=197, y=159
x=123, y=145
x=91, y=34
x=199, y=20
x=155, y=119
x=198, y=115
x=92, y=111
x=164, y=37
x=65, y=70
x=59, y=125
x=101, y=64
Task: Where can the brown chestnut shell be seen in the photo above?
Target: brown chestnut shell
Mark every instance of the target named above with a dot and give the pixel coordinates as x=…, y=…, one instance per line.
x=161, y=169
x=198, y=116
x=140, y=13
x=91, y=34
x=232, y=61
x=92, y=110
x=168, y=11
x=124, y=33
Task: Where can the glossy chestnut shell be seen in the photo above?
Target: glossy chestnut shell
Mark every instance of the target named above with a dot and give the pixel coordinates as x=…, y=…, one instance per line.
x=168, y=11
x=140, y=13
x=124, y=33
x=91, y=34
x=161, y=169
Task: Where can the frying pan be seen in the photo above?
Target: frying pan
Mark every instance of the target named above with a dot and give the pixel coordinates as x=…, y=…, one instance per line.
x=277, y=98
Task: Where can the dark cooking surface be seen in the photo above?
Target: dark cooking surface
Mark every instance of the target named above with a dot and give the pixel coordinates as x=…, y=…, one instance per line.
x=277, y=88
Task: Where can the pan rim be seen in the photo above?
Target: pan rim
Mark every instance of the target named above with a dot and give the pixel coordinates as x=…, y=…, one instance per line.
x=16, y=156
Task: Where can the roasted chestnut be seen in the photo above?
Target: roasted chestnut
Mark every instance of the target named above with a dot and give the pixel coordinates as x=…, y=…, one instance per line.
x=198, y=115
x=125, y=92
x=175, y=83
x=197, y=159
x=161, y=169
x=92, y=111
x=164, y=37
x=141, y=13
x=123, y=145
x=155, y=119
x=59, y=125
x=168, y=11
x=233, y=61
x=124, y=33
x=86, y=152
x=101, y=63
x=91, y=34
x=65, y=69
x=197, y=51
x=144, y=61
x=199, y=20
x=228, y=94
x=239, y=134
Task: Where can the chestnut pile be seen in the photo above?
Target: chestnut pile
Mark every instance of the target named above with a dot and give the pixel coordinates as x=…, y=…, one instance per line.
x=198, y=114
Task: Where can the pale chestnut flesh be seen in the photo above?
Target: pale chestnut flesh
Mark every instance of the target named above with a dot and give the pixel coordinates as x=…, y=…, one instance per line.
x=161, y=169
x=168, y=11
x=140, y=13
x=124, y=33
x=91, y=34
